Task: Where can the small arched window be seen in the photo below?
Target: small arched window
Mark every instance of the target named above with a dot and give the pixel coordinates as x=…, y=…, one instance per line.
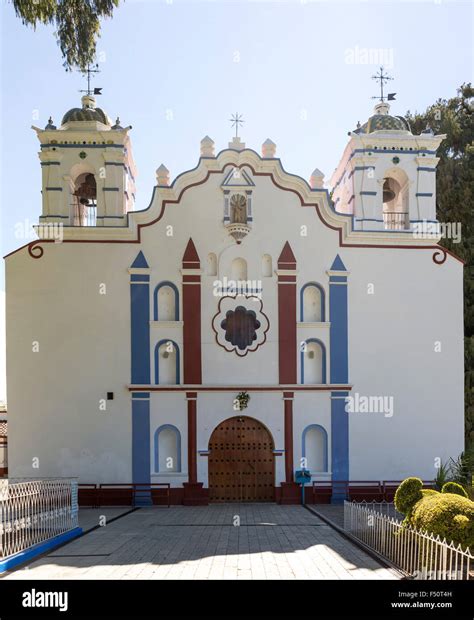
x=313, y=362
x=211, y=264
x=315, y=448
x=266, y=266
x=239, y=269
x=312, y=303
x=167, y=449
x=166, y=302
x=166, y=363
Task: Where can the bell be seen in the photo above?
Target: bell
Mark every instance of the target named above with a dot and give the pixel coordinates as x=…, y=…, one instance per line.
x=388, y=193
x=87, y=189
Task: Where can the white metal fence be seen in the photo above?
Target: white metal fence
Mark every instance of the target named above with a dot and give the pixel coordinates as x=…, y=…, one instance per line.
x=32, y=511
x=417, y=554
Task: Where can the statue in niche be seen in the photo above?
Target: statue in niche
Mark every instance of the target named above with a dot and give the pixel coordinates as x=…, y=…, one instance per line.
x=238, y=209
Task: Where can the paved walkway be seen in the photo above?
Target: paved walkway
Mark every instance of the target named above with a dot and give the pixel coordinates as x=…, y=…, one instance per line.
x=220, y=541
x=334, y=513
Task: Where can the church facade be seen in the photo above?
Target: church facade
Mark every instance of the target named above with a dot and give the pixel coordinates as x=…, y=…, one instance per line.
x=245, y=325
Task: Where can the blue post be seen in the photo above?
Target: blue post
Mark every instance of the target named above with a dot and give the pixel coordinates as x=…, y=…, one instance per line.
x=338, y=316
x=140, y=375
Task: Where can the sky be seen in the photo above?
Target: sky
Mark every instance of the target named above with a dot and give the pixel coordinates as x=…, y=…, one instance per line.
x=298, y=71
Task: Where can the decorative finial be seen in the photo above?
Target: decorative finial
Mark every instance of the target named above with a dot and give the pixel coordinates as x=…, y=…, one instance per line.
x=268, y=149
x=50, y=125
x=316, y=180
x=207, y=147
x=163, y=176
x=117, y=125
x=383, y=78
x=235, y=121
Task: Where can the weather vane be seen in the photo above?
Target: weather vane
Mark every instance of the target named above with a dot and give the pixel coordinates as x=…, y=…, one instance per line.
x=383, y=78
x=89, y=72
x=236, y=120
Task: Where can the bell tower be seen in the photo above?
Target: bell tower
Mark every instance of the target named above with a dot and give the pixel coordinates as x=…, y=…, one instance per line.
x=387, y=176
x=88, y=172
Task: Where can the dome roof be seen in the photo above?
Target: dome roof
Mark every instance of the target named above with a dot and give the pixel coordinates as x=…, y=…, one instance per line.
x=88, y=112
x=381, y=120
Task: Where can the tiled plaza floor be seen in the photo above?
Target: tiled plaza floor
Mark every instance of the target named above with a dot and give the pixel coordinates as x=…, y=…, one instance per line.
x=220, y=541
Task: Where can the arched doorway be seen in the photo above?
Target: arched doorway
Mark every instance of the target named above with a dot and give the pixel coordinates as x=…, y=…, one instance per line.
x=241, y=462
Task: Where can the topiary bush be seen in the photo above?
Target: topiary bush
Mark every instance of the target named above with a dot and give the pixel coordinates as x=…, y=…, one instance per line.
x=454, y=487
x=449, y=514
x=407, y=494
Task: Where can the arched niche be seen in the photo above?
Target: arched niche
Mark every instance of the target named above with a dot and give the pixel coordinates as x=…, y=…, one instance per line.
x=167, y=363
x=167, y=449
x=267, y=266
x=315, y=448
x=312, y=303
x=211, y=264
x=313, y=362
x=166, y=302
x=238, y=269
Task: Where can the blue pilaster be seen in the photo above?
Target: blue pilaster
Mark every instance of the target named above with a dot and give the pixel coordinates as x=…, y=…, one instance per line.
x=141, y=466
x=140, y=374
x=339, y=369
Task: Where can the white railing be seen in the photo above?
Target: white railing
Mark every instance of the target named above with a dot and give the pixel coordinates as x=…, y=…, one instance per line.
x=417, y=554
x=32, y=511
x=396, y=220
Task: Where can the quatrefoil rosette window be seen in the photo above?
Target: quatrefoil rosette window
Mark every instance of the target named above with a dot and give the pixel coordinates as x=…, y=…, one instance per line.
x=240, y=324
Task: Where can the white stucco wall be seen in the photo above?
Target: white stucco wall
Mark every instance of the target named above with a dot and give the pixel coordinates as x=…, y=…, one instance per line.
x=84, y=343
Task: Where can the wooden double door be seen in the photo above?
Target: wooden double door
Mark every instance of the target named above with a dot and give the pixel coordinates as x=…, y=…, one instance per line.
x=241, y=462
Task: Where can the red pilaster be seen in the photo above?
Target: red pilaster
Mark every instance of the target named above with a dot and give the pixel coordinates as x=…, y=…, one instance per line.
x=288, y=400
x=287, y=360
x=192, y=437
x=191, y=315
x=287, y=349
x=194, y=493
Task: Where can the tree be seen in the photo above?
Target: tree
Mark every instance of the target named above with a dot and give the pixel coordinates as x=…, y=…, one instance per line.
x=455, y=204
x=77, y=24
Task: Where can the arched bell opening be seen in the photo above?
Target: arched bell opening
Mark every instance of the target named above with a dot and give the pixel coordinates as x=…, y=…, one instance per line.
x=395, y=200
x=84, y=204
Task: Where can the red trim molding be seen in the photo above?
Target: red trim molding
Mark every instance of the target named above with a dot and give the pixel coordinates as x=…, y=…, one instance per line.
x=330, y=387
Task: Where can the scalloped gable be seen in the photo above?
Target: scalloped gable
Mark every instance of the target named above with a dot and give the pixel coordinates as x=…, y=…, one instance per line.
x=224, y=163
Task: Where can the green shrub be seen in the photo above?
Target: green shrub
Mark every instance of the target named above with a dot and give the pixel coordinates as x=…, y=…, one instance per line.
x=446, y=515
x=442, y=476
x=449, y=514
x=455, y=488
x=407, y=495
